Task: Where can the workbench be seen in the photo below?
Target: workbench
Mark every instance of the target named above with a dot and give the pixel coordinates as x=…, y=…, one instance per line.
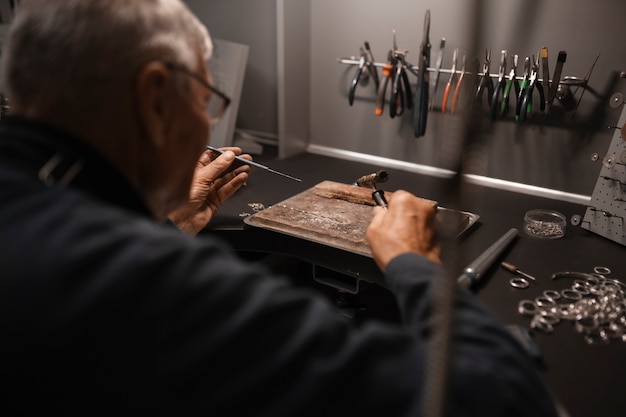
x=586, y=379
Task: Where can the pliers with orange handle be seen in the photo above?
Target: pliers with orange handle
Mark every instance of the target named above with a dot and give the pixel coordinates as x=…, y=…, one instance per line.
x=446, y=92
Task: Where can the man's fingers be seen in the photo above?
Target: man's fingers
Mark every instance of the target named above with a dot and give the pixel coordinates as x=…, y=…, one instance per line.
x=231, y=185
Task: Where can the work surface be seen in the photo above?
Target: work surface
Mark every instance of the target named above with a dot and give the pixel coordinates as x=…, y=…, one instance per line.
x=587, y=379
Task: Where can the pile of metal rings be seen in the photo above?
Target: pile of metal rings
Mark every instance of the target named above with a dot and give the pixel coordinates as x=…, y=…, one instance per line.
x=595, y=304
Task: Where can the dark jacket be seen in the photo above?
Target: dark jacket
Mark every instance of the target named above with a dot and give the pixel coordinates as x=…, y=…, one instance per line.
x=103, y=310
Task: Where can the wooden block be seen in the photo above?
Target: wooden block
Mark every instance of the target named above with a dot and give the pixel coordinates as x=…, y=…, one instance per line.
x=350, y=193
x=333, y=214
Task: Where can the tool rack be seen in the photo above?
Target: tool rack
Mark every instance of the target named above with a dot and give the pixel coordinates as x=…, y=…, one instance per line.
x=569, y=81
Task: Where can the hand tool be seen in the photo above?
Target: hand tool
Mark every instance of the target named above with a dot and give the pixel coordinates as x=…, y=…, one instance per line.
x=556, y=79
x=370, y=63
x=457, y=89
x=527, y=99
x=435, y=81
x=546, y=77
x=514, y=269
x=510, y=82
x=241, y=161
x=446, y=92
x=522, y=91
x=394, y=72
x=420, y=111
x=485, y=79
x=400, y=96
x=370, y=180
x=474, y=272
x=495, y=98
x=365, y=70
x=382, y=88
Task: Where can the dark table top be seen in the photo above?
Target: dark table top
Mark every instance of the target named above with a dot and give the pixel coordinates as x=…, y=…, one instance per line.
x=586, y=379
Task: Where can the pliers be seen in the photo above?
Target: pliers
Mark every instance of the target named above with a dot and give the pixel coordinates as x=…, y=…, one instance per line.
x=510, y=82
x=364, y=72
x=420, y=111
x=485, y=80
x=394, y=71
x=457, y=89
x=526, y=96
x=523, y=87
x=446, y=92
x=495, y=98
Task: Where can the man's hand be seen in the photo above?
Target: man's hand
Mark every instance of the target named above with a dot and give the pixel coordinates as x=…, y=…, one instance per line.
x=406, y=226
x=213, y=184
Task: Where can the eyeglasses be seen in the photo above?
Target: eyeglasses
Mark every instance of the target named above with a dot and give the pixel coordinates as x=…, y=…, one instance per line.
x=219, y=101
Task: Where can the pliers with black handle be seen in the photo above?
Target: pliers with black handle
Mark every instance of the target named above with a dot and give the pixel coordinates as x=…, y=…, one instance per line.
x=365, y=70
x=486, y=83
x=401, y=89
x=394, y=72
x=495, y=98
x=522, y=91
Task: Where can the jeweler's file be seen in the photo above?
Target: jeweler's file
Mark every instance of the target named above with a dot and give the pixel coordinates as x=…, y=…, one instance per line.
x=255, y=164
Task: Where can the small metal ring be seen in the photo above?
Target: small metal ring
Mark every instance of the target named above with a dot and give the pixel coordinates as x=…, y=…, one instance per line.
x=519, y=283
x=551, y=294
x=544, y=326
x=603, y=270
x=549, y=318
x=571, y=294
x=544, y=301
x=527, y=308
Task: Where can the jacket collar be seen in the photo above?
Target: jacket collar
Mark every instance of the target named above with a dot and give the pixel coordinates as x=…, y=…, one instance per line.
x=60, y=160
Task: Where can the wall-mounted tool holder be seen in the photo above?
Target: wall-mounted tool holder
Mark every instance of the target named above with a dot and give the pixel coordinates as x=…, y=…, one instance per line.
x=563, y=95
x=606, y=213
x=516, y=92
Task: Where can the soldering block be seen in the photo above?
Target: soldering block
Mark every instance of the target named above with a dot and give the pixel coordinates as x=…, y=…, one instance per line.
x=352, y=193
x=336, y=214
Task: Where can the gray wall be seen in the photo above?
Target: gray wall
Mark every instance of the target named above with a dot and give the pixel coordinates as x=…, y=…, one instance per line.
x=251, y=22
x=553, y=153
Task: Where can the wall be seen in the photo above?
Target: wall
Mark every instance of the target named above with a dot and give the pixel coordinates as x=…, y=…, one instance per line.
x=252, y=23
x=553, y=153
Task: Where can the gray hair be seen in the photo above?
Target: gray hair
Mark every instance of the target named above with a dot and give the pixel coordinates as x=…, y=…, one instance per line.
x=66, y=51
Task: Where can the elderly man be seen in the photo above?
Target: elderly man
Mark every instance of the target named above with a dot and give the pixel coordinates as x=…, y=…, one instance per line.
x=108, y=308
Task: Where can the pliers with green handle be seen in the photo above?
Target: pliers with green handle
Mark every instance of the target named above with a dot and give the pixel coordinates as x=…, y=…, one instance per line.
x=526, y=107
x=510, y=82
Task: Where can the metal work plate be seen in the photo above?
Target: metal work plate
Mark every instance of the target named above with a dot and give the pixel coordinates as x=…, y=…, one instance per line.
x=336, y=222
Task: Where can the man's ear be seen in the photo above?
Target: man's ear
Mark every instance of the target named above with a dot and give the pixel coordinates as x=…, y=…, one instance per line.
x=154, y=101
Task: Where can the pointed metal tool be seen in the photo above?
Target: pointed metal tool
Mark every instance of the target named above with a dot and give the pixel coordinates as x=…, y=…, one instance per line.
x=255, y=164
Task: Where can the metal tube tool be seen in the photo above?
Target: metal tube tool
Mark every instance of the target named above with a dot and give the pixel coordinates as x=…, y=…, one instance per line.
x=473, y=273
